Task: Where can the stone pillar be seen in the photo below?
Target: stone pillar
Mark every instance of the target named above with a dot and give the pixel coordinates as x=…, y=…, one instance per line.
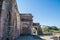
x=18, y=23
x=3, y=13
x=15, y=15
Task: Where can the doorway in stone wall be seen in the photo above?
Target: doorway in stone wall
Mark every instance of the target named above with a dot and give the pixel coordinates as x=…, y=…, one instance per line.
x=34, y=30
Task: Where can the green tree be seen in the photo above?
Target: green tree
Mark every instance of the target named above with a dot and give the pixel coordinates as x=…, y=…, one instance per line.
x=49, y=29
x=46, y=28
x=54, y=28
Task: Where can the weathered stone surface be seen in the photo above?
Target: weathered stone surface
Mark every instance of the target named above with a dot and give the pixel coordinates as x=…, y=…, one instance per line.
x=8, y=19
x=38, y=28
x=12, y=23
x=26, y=23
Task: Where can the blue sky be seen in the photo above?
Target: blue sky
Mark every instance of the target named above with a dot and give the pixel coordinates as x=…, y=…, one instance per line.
x=46, y=12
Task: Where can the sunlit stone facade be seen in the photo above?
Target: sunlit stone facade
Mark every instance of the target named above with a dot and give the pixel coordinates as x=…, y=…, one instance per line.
x=37, y=26
x=12, y=23
x=26, y=23
x=8, y=19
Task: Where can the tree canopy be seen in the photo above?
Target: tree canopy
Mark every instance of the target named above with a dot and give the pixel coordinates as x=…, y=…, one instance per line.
x=50, y=29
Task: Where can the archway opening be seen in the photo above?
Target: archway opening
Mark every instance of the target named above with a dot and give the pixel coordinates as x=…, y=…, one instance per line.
x=34, y=30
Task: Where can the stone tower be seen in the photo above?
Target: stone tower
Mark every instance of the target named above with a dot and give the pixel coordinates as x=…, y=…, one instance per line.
x=8, y=19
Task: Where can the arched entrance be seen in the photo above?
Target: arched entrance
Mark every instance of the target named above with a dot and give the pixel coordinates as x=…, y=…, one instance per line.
x=34, y=30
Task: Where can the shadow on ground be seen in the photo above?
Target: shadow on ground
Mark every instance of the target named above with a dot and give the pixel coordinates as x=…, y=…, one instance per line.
x=28, y=37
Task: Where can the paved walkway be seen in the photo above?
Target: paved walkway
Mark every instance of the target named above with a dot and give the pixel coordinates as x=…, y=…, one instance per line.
x=28, y=38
